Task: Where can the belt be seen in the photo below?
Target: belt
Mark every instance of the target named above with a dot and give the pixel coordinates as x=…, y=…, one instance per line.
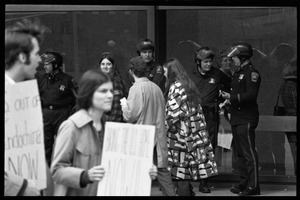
x=56, y=107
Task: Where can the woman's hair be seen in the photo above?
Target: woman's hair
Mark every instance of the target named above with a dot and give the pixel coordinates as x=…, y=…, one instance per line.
x=108, y=56
x=88, y=84
x=221, y=56
x=176, y=72
x=115, y=74
x=290, y=70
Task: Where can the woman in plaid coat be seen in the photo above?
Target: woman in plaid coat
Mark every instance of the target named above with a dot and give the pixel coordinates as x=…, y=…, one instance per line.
x=190, y=153
x=107, y=65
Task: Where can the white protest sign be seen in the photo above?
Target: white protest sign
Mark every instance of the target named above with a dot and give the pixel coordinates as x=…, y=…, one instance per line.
x=24, y=134
x=127, y=158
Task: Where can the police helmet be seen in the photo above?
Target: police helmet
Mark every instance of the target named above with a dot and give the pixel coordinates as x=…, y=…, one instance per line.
x=241, y=50
x=54, y=58
x=145, y=44
x=203, y=53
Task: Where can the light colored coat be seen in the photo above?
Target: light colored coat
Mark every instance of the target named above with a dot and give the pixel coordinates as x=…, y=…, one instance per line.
x=77, y=148
x=146, y=105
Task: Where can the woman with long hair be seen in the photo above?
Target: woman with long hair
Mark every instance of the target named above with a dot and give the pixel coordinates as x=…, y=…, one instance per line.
x=107, y=65
x=190, y=153
x=76, y=160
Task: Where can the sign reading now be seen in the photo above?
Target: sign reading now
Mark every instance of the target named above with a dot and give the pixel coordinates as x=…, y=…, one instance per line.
x=24, y=133
x=127, y=158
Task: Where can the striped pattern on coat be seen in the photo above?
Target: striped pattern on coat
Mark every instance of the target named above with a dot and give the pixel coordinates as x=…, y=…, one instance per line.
x=190, y=153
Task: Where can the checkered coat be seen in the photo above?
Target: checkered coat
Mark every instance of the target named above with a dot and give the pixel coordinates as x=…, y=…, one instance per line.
x=190, y=153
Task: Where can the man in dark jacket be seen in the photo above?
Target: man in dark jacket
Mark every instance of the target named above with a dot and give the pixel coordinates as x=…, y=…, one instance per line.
x=155, y=72
x=209, y=81
x=244, y=117
x=57, y=91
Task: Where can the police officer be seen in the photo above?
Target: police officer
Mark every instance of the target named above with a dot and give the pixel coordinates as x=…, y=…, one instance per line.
x=57, y=91
x=155, y=72
x=244, y=117
x=209, y=80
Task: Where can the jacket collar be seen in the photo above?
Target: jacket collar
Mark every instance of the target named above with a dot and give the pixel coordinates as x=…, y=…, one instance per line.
x=81, y=118
x=142, y=79
x=243, y=68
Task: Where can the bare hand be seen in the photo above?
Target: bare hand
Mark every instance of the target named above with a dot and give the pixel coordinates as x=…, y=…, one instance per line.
x=225, y=95
x=153, y=172
x=96, y=173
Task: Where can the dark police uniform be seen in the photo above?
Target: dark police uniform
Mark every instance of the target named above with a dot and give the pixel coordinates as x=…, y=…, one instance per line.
x=208, y=86
x=57, y=99
x=155, y=73
x=244, y=119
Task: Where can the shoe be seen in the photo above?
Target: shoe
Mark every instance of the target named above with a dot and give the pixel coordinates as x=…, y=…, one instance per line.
x=203, y=187
x=250, y=191
x=193, y=193
x=236, y=189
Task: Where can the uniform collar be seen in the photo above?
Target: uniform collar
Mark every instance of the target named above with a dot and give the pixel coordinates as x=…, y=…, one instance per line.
x=245, y=67
x=56, y=75
x=211, y=71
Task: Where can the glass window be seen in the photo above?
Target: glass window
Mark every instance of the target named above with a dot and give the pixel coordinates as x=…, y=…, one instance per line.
x=82, y=36
x=272, y=32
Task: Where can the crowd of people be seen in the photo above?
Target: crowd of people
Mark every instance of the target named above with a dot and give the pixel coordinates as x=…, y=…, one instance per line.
x=185, y=114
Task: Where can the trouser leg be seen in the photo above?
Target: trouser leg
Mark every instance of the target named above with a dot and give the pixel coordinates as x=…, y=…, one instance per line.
x=165, y=182
x=292, y=139
x=212, y=123
x=183, y=188
x=247, y=155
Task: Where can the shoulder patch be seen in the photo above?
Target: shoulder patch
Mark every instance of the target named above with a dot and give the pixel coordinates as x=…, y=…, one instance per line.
x=159, y=69
x=254, y=76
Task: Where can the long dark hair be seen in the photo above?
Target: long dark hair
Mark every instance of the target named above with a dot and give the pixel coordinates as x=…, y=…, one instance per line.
x=114, y=74
x=176, y=72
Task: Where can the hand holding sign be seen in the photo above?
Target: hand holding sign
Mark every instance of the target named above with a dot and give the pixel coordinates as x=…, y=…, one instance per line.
x=96, y=173
x=153, y=172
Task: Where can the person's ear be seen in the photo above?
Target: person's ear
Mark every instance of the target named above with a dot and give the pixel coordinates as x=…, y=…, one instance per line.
x=130, y=72
x=22, y=57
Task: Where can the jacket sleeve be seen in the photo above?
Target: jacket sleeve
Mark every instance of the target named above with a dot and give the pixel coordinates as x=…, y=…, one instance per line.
x=226, y=81
x=62, y=169
x=73, y=85
x=134, y=107
x=15, y=185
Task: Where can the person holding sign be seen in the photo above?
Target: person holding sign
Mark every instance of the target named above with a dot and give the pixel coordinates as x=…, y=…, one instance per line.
x=77, y=152
x=190, y=153
x=145, y=105
x=76, y=162
x=21, y=60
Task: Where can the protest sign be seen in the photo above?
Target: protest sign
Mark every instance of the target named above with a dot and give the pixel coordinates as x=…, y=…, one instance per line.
x=24, y=134
x=127, y=157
